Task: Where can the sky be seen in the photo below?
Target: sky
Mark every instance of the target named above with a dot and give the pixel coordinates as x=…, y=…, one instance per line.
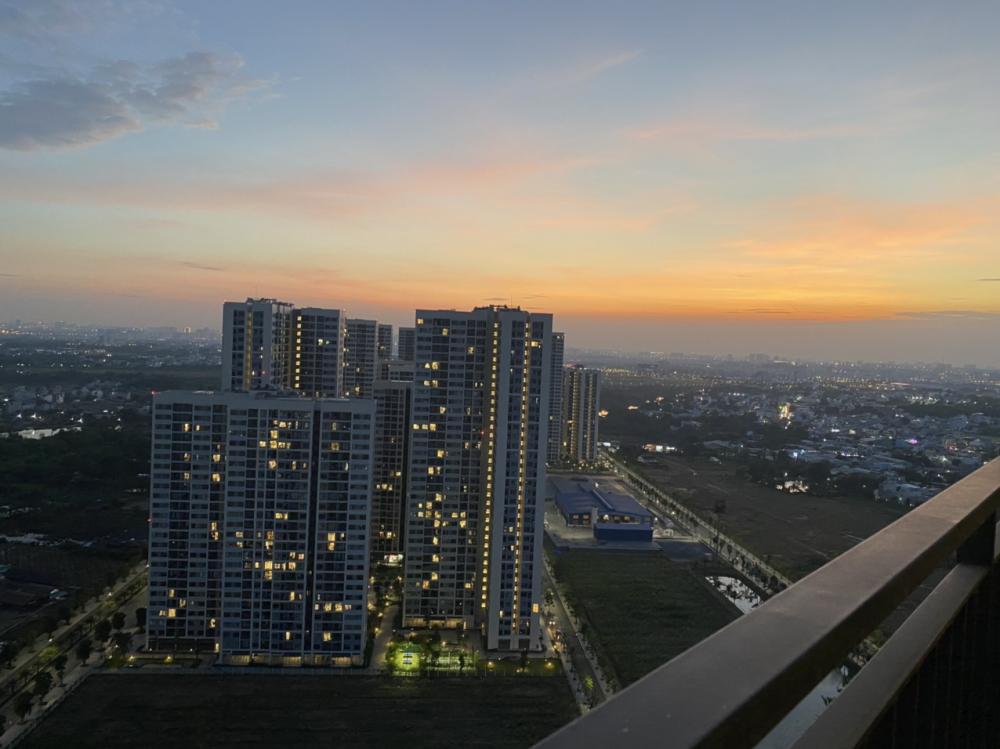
x=797, y=178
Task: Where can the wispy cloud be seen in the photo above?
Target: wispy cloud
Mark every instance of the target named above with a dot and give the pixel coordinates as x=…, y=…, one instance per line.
x=950, y=314
x=200, y=266
x=988, y=280
x=119, y=98
x=589, y=70
x=704, y=131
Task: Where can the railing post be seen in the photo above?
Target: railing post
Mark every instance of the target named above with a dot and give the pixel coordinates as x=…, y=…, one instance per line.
x=980, y=547
x=978, y=669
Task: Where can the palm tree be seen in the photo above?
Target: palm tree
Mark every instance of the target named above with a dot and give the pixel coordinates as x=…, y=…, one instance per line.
x=43, y=683
x=83, y=650
x=59, y=664
x=22, y=705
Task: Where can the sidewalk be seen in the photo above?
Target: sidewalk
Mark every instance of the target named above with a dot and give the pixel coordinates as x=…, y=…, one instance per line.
x=585, y=646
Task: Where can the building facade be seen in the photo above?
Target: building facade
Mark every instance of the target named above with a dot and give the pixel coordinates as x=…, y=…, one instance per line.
x=406, y=344
x=581, y=394
x=256, y=345
x=554, y=450
x=259, y=526
x=383, y=337
x=317, y=369
x=477, y=470
x=360, y=358
x=392, y=442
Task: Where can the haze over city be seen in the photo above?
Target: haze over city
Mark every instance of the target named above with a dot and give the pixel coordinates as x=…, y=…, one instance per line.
x=816, y=181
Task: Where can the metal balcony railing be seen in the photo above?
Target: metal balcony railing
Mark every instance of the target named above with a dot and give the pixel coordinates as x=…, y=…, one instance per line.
x=935, y=682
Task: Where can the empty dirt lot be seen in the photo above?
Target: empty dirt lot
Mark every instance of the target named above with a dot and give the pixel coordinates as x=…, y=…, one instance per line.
x=798, y=532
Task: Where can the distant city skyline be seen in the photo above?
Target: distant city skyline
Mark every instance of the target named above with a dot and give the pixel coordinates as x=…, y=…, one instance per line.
x=808, y=180
x=955, y=340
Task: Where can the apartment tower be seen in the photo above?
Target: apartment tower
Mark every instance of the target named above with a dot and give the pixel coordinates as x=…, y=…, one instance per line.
x=256, y=345
x=581, y=402
x=406, y=345
x=477, y=472
x=360, y=358
x=318, y=352
x=259, y=520
x=554, y=449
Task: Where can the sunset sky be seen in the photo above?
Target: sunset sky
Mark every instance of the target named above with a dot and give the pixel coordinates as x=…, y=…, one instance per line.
x=807, y=179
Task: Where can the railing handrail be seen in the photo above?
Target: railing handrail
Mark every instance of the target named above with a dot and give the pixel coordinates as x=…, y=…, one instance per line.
x=734, y=686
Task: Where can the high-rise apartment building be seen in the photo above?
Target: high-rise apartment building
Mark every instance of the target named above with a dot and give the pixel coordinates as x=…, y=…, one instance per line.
x=259, y=526
x=256, y=345
x=392, y=442
x=477, y=471
x=406, y=344
x=581, y=395
x=554, y=450
x=360, y=358
x=317, y=367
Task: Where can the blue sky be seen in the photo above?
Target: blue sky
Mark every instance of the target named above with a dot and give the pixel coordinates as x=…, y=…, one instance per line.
x=801, y=178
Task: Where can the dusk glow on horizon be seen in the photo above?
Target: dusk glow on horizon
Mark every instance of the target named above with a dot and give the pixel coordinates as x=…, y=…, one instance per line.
x=816, y=181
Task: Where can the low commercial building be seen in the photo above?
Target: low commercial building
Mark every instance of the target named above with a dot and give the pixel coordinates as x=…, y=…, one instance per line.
x=613, y=516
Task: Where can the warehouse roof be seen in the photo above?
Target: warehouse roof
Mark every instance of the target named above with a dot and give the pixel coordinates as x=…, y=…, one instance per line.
x=580, y=495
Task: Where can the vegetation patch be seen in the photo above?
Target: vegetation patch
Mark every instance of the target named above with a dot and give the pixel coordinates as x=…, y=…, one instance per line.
x=186, y=709
x=639, y=609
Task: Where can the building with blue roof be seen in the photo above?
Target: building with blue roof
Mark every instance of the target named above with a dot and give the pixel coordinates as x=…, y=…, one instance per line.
x=613, y=516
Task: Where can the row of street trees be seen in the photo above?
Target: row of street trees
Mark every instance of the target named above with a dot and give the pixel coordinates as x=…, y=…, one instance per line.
x=105, y=630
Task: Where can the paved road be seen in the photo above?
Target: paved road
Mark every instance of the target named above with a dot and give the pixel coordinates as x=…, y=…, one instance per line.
x=382, y=640
x=702, y=529
x=127, y=597
x=573, y=643
x=66, y=636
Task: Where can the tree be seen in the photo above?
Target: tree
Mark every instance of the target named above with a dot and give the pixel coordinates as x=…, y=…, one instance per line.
x=43, y=683
x=118, y=619
x=59, y=664
x=65, y=612
x=140, y=617
x=122, y=640
x=102, y=630
x=10, y=650
x=3, y=723
x=22, y=705
x=83, y=650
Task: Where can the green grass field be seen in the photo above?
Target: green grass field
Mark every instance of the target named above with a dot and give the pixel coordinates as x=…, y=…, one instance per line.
x=642, y=609
x=222, y=710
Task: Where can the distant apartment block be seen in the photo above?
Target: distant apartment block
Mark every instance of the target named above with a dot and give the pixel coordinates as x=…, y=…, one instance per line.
x=384, y=352
x=318, y=352
x=360, y=358
x=406, y=344
x=392, y=440
x=581, y=394
x=272, y=345
x=256, y=345
x=554, y=449
x=259, y=526
x=477, y=470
